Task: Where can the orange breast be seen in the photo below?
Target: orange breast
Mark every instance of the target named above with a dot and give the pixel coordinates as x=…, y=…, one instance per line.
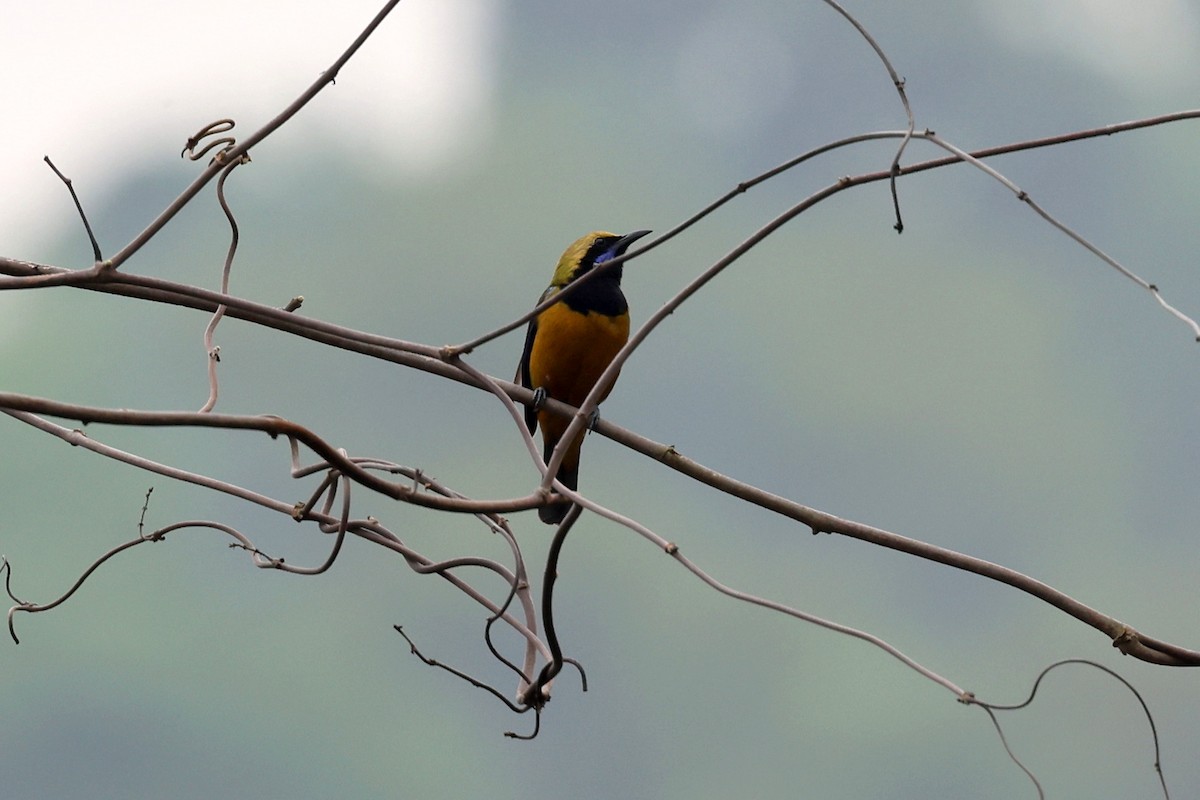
x=571, y=349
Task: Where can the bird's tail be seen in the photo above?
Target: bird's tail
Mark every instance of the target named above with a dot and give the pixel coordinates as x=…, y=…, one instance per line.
x=552, y=515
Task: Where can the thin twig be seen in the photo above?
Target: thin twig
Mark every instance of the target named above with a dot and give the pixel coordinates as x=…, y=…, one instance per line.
x=36, y=607
x=990, y=707
x=899, y=84
x=1024, y=197
x=145, y=507
x=326, y=77
x=560, y=296
x=343, y=525
x=87, y=226
x=1013, y=756
x=369, y=529
x=275, y=427
x=518, y=587
x=212, y=129
x=213, y=352
x=538, y=693
x=1128, y=640
x=936, y=163
x=460, y=674
x=672, y=549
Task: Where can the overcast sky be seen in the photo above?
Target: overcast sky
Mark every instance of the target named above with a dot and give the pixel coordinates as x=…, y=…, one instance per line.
x=81, y=93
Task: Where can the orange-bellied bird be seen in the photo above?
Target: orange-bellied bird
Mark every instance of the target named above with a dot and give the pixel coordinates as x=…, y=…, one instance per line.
x=571, y=343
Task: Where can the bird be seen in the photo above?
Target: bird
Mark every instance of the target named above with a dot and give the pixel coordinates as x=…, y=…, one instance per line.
x=569, y=345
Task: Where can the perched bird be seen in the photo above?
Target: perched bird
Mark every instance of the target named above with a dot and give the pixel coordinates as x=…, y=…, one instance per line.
x=571, y=343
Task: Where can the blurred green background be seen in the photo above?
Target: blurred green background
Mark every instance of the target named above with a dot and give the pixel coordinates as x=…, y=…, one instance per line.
x=979, y=382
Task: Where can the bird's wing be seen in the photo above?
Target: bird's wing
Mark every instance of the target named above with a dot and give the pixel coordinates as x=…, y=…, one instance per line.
x=522, y=377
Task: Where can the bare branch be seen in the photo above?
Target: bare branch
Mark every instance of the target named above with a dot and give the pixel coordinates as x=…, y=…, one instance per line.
x=1125, y=638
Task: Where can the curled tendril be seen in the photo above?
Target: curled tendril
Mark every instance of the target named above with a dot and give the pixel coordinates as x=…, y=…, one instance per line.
x=226, y=143
x=969, y=698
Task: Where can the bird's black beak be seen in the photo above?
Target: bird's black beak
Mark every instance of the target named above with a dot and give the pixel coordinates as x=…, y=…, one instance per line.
x=626, y=240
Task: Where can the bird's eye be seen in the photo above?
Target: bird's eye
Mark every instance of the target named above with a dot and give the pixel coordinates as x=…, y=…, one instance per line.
x=604, y=245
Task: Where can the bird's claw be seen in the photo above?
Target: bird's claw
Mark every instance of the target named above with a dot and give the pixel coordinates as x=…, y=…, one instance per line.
x=539, y=398
x=593, y=419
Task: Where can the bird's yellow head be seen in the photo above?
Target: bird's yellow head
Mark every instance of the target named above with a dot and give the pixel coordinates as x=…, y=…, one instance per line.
x=588, y=251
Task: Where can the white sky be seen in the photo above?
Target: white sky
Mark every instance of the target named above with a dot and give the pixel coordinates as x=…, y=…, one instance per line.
x=98, y=85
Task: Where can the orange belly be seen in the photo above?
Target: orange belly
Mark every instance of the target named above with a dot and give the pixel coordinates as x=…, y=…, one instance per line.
x=570, y=351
